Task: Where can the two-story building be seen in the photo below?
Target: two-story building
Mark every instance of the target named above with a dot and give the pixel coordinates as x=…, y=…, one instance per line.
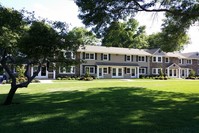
x=112, y=62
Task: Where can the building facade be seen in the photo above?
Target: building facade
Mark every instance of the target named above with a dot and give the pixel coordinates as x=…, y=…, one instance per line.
x=112, y=62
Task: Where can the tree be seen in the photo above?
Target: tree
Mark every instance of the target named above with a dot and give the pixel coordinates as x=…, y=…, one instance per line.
x=180, y=15
x=26, y=41
x=125, y=34
x=81, y=36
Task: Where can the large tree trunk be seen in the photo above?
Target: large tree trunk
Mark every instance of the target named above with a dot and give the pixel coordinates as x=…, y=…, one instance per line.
x=10, y=95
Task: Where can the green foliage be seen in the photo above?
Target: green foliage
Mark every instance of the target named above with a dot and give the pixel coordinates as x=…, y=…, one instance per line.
x=127, y=34
x=192, y=74
x=180, y=15
x=81, y=36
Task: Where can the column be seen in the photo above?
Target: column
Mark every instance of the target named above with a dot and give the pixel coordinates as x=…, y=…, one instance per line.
x=168, y=72
x=54, y=74
x=97, y=71
x=179, y=73
x=138, y=73
x=32, y=70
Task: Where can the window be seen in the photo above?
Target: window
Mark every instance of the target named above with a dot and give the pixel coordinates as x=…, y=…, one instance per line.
x=128, y=58
x=105, y=70
x=89, y=56
x=141, y=58
x=67, y=69
x=69, y=55
x=167, y=60
x=105, y=56
x=154, y=59
x=128, y=70
x=189, y=61
x=119, y=71
x=156, y=70
x=90, y=70
x=182, y=61
x=157, y=59
x=142, y=70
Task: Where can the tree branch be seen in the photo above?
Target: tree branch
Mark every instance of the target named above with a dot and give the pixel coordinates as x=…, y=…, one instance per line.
x=175, y=12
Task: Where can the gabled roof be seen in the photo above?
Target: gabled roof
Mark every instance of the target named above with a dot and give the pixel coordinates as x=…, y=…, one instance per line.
x=192, y=55
x=174, y=54
x=113, y=50
x=131, y=51
x=152, y=51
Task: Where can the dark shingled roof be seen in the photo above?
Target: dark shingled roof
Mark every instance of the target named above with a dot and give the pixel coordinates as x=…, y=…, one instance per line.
x=115, y=64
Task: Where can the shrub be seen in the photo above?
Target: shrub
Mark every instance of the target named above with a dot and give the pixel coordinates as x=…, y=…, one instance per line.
x=192, y=74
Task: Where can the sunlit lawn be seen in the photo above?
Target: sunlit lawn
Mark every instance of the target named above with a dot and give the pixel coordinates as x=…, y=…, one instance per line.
x=103, y=106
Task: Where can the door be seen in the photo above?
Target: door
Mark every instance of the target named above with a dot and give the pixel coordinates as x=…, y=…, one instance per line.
x=43, y=72
x=100, y=72
x=133, y=72
x=117, y=72
x=173, y=73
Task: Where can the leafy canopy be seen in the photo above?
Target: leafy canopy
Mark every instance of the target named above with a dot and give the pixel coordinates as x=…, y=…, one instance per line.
x=180, y=15
x=125, y=34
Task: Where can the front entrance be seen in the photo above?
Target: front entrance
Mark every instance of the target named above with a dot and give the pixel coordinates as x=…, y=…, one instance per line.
x=43, y=72
x=133, y=72
x=117, y=72
x=173, y=73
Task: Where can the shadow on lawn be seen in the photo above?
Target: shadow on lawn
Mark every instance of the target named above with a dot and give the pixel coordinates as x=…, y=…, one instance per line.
x=102, y=110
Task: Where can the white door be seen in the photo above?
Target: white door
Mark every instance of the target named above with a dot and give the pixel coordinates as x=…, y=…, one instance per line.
x=100, y=73
x=173, y=73
x=133, y=72
x=43, y=72
x=117, y=72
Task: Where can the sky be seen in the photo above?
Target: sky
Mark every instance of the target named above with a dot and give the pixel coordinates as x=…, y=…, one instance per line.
x=67, y=11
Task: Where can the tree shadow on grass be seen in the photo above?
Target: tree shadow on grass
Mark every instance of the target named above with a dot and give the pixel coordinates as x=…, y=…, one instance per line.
x=102, y=110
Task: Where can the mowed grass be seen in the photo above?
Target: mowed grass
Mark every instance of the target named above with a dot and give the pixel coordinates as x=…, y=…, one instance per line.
x=103, y=106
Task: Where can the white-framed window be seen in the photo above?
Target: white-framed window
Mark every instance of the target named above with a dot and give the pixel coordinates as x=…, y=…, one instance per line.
x=128, y=58
x=167, y=59
x=105, y=56
x=128, y=70
x=142, y=70
x=182, y=61
x=69, y=55
x=89, y=56
x=67, y=69
x=141, y=58
x=189, y=61
x=156, y=70
x=105, y=70
x=157, y=59
x=90, y=69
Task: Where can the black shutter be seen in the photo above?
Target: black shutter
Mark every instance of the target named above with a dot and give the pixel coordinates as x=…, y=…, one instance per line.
x=125, y=70
x=109, y=56
x=146, y=70
x=95, y=69
x=83, y=55
x=101, y=56
x=95, y=56
x=137, y=58
x=146, y=59
x=132, y=58
x=109, y=70
x=124, y=57
x=83, y=67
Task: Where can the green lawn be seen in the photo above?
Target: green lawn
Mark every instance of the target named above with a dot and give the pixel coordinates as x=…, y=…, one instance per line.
x=103, y=106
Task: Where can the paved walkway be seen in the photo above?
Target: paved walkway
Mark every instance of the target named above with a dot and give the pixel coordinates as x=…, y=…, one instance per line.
x=45, y=81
